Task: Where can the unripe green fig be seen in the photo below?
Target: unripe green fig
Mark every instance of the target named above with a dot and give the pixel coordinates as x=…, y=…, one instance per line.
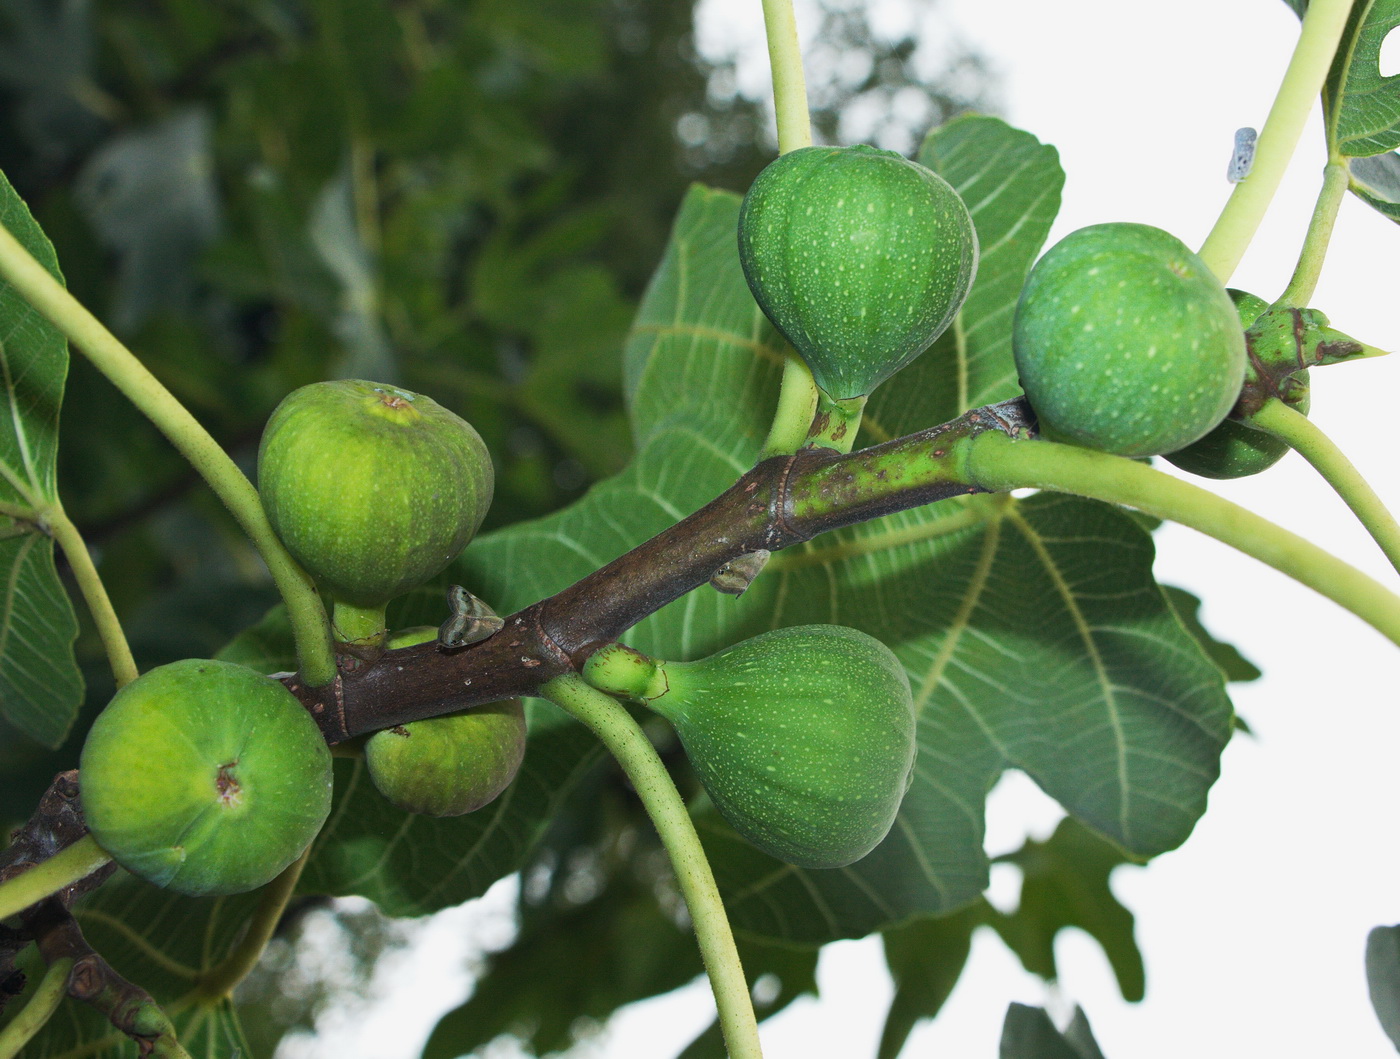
x=373, y=489
x=1125, y=342
x=447, y=766
x=803, y=737
x=1234, y=449
x=860, y=257
x=205, y=777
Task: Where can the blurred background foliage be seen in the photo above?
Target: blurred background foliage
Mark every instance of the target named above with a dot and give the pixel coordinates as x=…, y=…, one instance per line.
x=464, y=197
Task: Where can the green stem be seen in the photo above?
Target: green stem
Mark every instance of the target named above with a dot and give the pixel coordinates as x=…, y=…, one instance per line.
x=1335, y=180
x=50, y=993
x=1301, y=433
x=131, y=377
x=836, y=423
x=47, y=877
x=1302, y=84
x=94, y=592
x=609, y=721
x=797, y=405
x=789, y=83
x=219, y=982
x=363, y=626
x=997, y=462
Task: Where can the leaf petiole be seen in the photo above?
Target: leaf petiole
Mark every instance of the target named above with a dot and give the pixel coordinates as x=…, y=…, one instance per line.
x=789, y=82
x=1307, y=438
x=797, y=405
x=49, y=994
x=94, y=592
x=1336, y=178
x=145, y=391
x=609, y=720
x=1302, y=84
x=995, y=461
x=47, y=877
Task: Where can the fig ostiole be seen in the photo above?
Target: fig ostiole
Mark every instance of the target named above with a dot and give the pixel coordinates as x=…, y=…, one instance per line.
x=804, y=737
x=1125, y=342
x=373, y=489
x=205, y=777
x=859, y=257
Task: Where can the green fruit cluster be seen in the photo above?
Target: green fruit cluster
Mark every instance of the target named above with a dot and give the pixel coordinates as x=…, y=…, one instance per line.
x=205, y=777
x=803, y=737
x=1234, y=449
x=447, y=766
x=859, y=257
x=1125, y=342
x=372, y=488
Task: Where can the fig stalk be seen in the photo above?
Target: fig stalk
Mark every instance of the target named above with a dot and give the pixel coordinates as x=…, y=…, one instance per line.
x=625, y=740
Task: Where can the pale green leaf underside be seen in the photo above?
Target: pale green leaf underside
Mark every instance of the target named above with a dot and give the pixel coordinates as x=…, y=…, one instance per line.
x=1365, y=108
x=1036, y=639
x=1376, y=180
x=40, y=685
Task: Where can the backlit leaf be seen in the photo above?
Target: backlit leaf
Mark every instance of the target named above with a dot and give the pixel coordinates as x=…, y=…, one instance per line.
x=40, y=686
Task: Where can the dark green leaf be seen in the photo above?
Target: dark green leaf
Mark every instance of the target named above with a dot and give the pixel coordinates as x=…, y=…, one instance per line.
x=1363, y=107
x=1081, y=1036
x=1234, y=665
x=40, y=685
x=1376, y=181
x=925, y=958
x=586, y=962
x=410, y=864
x=1028, y=1033
x=165, y=943
x=1065, y=884
x=1383, y=978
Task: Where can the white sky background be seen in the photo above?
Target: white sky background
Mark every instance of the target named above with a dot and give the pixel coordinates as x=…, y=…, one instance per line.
x=1254, y=931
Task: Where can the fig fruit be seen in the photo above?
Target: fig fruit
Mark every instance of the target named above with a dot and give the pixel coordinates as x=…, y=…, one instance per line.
x=1234, y=449
x=372, y=488
x=205, y=777
x=860, y=257
x=1125, y=342
x=803, y=737
x=447, y=766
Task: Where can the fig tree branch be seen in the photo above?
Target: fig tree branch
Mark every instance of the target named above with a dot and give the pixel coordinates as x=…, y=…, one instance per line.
x=788, y=500
x=126, y=1006
x=783, y=501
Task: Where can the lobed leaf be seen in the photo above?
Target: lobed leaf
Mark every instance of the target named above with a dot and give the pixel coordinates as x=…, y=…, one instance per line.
x=1028, y=1033
x=1033, y=632
x=1065, y=884
x=1376, y=181
x=41, y=687
x=1383, y=978
x=1363, y=113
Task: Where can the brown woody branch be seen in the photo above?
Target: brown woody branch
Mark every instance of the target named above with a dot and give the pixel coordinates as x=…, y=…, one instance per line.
x=781, y=502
